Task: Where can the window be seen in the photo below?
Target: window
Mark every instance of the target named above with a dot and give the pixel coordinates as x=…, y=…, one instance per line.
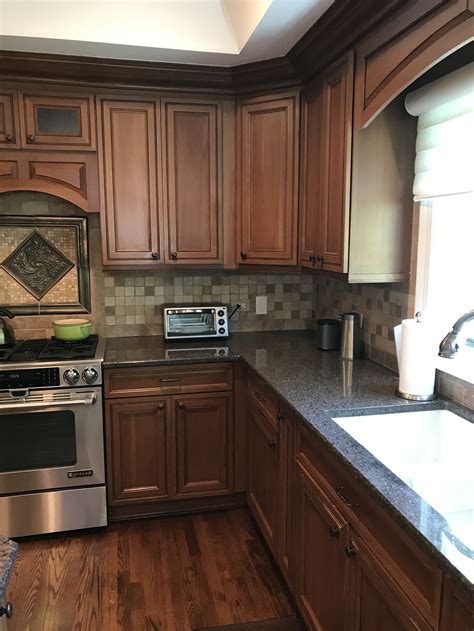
x=444, y=184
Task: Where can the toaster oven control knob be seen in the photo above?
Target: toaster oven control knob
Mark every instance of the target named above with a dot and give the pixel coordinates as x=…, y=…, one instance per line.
x=221, y=322
x=220, y=313
x=221, y=330
x=90, y=375
x=71, y=376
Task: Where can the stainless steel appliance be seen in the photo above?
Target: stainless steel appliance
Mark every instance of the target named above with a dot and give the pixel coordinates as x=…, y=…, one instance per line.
x=352, y=344
x=52, y=474
x=195, y=322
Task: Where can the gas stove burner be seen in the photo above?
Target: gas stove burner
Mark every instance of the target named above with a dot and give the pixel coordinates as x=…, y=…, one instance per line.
x=58, y=349
x=49, y=350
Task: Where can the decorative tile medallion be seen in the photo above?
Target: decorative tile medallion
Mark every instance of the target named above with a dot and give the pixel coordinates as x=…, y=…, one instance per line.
x=37, y=264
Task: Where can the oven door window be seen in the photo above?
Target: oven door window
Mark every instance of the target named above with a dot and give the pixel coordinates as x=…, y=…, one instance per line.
x=37, y=440
x=191, y=324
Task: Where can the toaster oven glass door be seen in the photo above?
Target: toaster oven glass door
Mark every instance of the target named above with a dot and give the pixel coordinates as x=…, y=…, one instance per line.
x=192, y=324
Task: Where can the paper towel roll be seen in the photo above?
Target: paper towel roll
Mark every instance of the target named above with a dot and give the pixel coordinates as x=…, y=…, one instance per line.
x=417, y=358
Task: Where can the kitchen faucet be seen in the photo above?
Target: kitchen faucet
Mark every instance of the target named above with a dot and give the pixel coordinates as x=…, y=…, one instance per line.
x=449, y=346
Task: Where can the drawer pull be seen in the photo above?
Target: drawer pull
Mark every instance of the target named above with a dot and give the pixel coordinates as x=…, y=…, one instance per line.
x=169, y=380
x=334, y=531
x=280, y=416
x=341, y=496
x=155, y=256
x=181, y=405
x=161, y=406
x=272, y=443
x=7, y=610
x=30, y=138
x=9, y=138
x=351, y=550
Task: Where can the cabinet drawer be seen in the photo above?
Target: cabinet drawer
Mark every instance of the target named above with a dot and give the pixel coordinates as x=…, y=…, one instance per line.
x=131, y=382
x=263, y=397
x=414, y=571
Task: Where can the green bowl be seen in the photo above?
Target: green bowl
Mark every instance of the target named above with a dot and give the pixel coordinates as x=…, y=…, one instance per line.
x=72, y=329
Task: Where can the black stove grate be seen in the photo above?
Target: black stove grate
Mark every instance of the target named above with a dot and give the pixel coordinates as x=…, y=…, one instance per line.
x=58, y=349
x=27, y=351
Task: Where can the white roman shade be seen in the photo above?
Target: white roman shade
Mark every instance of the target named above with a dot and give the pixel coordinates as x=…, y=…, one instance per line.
x=444, y=162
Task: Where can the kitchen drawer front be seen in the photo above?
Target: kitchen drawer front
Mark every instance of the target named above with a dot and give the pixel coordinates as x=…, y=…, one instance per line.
x=153, y=380
x=415, y=572
x=263, y=397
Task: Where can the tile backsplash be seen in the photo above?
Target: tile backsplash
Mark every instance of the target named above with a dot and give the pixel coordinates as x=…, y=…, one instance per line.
x=382, y=305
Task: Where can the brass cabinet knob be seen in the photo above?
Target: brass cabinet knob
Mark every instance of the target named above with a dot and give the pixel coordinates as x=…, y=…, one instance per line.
x=243, y=255
x=30, y=138
x=174, y=256
x=181, y=405
x=161, y=406
x=9, y=138
x=155, y=256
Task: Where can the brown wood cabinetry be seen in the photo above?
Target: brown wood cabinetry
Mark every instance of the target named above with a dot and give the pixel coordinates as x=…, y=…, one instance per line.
x=457, y=613
x=376, y=601
x=9, y=119
x=192, y=145
x=326, y=168
x=138, y=450
x=402, y=48
x=204, y=446
x=128, y=175
x=72, y=176
x=286, y=494
x=267, y=172
x=263, y=474
x=60, y=121
x=171, y=439
x=321, y=565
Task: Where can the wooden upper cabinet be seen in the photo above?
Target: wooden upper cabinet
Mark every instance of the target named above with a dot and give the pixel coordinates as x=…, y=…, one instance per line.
x=267, y=171
x=403, y=48
x=64, y=121
x=192, y=145
x=128, y=175
x=203, y=444
x=326, y=168
x=9, y=119
x=138, y=450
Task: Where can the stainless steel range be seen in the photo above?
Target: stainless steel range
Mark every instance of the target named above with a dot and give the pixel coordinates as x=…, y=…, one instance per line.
x=52, y=475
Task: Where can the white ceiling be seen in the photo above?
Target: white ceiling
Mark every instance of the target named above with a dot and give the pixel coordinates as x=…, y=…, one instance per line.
x=216, y=32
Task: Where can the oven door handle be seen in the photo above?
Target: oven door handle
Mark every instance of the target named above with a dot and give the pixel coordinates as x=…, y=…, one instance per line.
x=23, y=404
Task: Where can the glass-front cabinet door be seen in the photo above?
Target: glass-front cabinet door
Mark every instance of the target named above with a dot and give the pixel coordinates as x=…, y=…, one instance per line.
x=9, y=132
x=60, y=121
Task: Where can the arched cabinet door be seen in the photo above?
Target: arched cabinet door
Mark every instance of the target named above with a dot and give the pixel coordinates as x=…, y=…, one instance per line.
x=403, y=48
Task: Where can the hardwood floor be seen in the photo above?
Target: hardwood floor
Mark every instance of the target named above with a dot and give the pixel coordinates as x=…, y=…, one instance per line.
x=168, y=574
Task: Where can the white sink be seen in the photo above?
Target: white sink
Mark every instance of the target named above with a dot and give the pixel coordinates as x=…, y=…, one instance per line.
x=432, y=451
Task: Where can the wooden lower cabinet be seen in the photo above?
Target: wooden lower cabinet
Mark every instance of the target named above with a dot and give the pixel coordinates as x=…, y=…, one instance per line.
x=376, y=602
x=321, y=565
x=138, y=450
x=457, y=613
x=203, y=444
x=263, y=474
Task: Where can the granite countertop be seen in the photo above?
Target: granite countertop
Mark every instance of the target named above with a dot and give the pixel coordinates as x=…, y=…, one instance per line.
x=318, y=386
x=8, y=554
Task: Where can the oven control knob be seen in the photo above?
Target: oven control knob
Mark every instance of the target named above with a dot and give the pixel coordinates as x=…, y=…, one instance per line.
x=90, y=375
x=71, y=376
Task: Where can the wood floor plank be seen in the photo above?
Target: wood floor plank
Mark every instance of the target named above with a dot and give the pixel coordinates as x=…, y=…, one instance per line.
x=169, y=574
x=289, y=623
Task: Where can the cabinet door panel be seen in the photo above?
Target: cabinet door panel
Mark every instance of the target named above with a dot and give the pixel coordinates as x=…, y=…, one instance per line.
x=336, y=165
x=138, y=448
x=203, y=439
x=62, y=121
x=310, y=181
x=9, y=122
x=457, y=610
x=267, y=181
x=321, y=567
x=263, y=474
x=193, y=201
x=376, y=601
x=129, y=182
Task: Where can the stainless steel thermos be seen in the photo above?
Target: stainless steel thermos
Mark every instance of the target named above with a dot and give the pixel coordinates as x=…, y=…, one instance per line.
x=352, y=344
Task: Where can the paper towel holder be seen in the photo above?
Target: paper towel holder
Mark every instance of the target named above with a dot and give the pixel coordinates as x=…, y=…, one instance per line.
x=416, y=397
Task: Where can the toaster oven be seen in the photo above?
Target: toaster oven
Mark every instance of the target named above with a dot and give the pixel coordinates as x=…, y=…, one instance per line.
x=195, y=322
